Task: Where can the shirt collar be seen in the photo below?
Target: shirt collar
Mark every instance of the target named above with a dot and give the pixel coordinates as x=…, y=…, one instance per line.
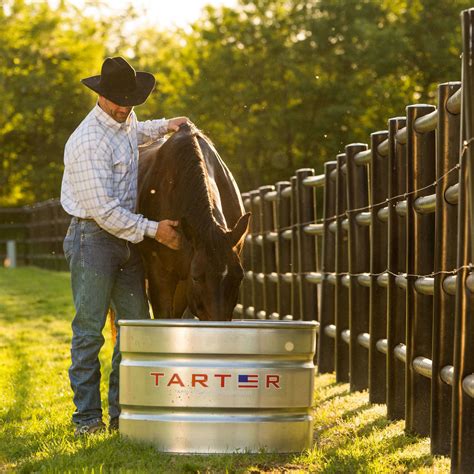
x=107, y=120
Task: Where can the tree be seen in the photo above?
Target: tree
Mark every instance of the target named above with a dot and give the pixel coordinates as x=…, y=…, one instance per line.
x=280, y=84
x=44, y=53
x=276, y=84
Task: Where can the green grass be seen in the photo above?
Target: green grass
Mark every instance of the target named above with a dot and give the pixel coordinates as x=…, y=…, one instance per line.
x=350, y=436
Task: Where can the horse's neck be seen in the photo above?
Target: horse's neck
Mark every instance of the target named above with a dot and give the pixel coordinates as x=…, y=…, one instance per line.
x=229, y=205
x=217, y=208
x=202, y=207
x=217, y=211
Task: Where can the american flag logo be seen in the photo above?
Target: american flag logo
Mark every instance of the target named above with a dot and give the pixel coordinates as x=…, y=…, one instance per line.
x=248, y=381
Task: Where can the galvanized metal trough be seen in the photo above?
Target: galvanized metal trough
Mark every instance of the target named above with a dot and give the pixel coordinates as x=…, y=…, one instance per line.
x=214, y=387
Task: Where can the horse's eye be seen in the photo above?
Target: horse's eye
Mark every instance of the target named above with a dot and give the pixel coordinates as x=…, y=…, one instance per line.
x=198, y=279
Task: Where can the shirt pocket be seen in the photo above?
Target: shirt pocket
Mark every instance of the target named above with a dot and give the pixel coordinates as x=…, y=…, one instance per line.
x=121, y=166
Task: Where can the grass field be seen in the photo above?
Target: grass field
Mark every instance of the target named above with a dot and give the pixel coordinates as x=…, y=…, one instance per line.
x=35, y=406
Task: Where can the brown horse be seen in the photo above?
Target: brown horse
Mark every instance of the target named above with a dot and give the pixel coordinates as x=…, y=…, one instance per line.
x=186, y=180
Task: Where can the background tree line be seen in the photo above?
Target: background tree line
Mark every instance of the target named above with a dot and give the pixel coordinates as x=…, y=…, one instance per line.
x=276, y=84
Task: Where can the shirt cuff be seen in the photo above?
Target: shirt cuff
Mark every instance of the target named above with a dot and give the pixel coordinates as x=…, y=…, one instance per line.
x=151, y=229
x=164, y=128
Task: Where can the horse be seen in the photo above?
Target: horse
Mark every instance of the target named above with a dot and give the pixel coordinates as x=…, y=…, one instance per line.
x=185, y=179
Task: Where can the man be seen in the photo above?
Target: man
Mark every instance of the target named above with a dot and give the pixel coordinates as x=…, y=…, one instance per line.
x=99, y=189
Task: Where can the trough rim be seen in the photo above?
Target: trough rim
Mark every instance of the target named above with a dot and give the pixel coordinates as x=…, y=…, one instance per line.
x=237, y=323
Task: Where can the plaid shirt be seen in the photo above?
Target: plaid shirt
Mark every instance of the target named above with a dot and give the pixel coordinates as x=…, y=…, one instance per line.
x=101, y=172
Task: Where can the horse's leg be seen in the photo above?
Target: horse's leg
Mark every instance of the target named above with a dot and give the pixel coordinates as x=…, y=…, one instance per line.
x=161, y=290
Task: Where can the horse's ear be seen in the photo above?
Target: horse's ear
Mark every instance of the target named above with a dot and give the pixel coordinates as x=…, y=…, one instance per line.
x=238, y=233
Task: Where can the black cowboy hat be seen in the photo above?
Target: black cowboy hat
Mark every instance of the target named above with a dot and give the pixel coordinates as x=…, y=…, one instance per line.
x=119, y=83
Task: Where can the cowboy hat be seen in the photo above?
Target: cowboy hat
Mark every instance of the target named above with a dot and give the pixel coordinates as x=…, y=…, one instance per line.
x=119, y=83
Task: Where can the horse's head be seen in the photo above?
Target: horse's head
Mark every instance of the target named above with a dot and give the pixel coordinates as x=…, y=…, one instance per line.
x=215, y=271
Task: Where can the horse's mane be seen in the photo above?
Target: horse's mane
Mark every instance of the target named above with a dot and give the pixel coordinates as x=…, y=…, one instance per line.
x=192, y=181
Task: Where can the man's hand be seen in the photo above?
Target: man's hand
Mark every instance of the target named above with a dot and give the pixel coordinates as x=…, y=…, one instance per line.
x=174, y=123
x=167, y=234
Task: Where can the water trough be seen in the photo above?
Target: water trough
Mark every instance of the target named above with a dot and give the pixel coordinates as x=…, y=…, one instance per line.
x=214, y=387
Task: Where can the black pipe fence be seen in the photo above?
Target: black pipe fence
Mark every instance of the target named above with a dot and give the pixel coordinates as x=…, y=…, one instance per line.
x=392, y=284
x=384, y=263
x=38, y=232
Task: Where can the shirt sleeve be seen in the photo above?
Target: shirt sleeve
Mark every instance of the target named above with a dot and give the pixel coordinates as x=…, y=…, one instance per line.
x=91, y=178
x=151, y=130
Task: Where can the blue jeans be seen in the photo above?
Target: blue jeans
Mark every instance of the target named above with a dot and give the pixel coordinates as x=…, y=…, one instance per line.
x=105, y=271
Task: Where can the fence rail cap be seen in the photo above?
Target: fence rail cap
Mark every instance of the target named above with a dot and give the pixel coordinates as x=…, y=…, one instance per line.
x=453, y=104
x=271, y=196
x=363, y=157
x=315, y=181
x=468, y=385
x=402, y=135
x=426, y=123
x=266, y=187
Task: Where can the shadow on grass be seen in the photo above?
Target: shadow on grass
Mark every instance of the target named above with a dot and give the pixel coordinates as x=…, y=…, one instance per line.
x=13, y=444
x=349, y=414
x=321, y=400
x=21, y=381
x=343, y=456
x=114, y=452
x=346, y=459
x=345, y=417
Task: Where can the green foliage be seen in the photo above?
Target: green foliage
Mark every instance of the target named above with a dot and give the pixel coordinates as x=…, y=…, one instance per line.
x=36, y=435
x=43, y=55
x=281, y=84
x=276, y=84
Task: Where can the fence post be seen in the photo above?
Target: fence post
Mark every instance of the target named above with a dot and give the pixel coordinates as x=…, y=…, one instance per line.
x=295, y=270
x=283, y=220
x=420, y=259
x=396, y=265
x=11, y=253
x=462, y=436
x=341, y=299
x=246, y=286
x=378, y=265
x=467, y=18
x=462, y=452
x=447, y=155
x=28, y=236
x=327, y=333
x=256, y=255
x=359, y=262
x=268, y=253
x=307, y=257
x=259, y=276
